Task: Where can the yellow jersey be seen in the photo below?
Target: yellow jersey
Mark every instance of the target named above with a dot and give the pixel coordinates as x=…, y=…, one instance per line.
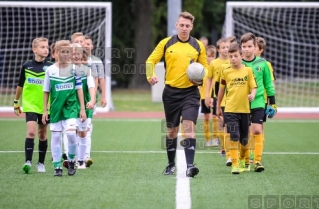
x=217, y=76
x=202, y=89
x=177, y=56
x=239, y=82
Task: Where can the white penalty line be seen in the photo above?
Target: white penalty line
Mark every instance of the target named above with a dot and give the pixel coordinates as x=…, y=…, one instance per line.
x=182, y=194
x=163, y=152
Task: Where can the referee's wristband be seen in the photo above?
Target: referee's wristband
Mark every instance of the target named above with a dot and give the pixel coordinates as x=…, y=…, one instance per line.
x=272, y=100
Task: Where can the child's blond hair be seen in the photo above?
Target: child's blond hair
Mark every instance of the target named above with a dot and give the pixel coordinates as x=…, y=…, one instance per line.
x=222, y=40
x=77, y=34
x=52, y=47
x=62, y=43
x=232, y=39
x=78, y=46
x=211, y=49
x=261, y=43
x=37, y=40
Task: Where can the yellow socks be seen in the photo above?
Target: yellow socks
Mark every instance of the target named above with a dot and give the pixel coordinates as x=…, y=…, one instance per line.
x=258, y=147
x=233, y=150
x=215, y=128
x=221, y=136
x=225, y=145
x=207, y=130
x=263, y=138
x=244, y=153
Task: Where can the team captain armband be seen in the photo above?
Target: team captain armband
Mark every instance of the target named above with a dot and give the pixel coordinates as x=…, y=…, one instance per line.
x=78, y=82
x=222, y=82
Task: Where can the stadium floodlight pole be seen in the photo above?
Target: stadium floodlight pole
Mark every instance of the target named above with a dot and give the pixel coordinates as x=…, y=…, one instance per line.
x=174, y=8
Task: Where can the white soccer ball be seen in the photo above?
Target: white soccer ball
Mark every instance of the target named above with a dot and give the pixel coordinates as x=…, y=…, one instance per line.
x=195, y=71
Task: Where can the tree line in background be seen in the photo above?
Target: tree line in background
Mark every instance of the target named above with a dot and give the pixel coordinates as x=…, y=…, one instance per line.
x=140, y=24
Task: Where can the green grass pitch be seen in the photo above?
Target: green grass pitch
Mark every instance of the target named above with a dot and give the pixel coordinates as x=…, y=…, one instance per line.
x=129, y=159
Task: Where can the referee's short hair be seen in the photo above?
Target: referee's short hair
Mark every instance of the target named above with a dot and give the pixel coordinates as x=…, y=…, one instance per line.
x=187, y=15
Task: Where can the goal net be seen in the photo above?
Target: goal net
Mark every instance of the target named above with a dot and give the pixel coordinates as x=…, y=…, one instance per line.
x=21, y=22
x=291, y=33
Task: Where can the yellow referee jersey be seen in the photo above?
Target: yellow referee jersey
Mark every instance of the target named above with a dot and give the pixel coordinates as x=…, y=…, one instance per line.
x=177, y=56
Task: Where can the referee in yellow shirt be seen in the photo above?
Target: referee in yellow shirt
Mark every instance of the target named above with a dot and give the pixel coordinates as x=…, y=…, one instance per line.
x=180, y=96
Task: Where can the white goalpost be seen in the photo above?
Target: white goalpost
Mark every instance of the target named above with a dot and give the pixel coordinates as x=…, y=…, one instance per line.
x=291, y=31
x=21, y=22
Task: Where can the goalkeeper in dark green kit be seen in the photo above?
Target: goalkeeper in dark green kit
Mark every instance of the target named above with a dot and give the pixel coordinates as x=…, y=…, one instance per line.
x=264, y=82
x=31, y=87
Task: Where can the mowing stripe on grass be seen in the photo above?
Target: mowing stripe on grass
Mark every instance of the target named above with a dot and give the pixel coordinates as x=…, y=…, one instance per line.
x=162, y=152
x=183, y=194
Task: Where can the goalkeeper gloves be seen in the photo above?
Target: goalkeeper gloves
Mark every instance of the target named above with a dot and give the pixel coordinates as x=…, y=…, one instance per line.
x=271, y=110
x=16, y=106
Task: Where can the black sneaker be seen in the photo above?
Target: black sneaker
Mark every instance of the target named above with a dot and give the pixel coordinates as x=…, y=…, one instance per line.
x=58, y=172
x=192, y=171
x=71, y=168
x=64, y=157
x=169, y=170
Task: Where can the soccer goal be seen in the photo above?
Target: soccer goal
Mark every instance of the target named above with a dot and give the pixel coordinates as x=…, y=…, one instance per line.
x=292, y=35
x=21, y=22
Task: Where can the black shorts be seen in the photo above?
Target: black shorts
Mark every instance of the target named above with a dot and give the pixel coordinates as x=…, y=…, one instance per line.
x=265, y=116
x=223, y=112
x=204, y=109
x=31, y=116
x=180, y=102
x=214, y=106
x=238, y=126
x=257, y=115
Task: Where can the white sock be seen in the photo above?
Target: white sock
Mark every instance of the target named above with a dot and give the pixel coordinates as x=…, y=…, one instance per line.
x=77, y=147
x=88, y=143
x=71, y=135
x=56, y=146
x=65, y=143
x=82, y=148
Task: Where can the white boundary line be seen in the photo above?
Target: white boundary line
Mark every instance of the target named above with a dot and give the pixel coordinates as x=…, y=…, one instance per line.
x=159, y=120
x=100, y=119
x=182, y=192
x=162, y=152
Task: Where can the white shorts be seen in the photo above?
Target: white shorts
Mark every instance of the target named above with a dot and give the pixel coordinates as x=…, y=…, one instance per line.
x=83, y=126
x=63, y=125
